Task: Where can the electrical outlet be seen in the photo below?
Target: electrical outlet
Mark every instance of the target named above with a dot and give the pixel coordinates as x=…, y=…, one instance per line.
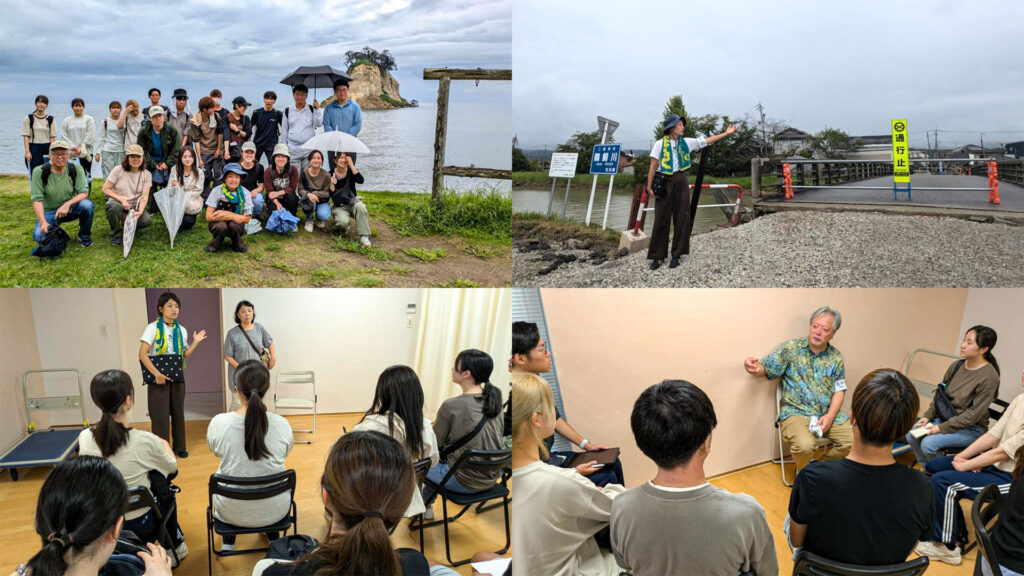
x=409, y=323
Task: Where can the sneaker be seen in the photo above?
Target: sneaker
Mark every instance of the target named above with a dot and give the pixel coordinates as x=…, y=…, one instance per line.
x=183, y=454
x=116, y=240
x=309, y=226
x=674, y=263
x=210, y=248
x=655, y=264
x=428, y=514
x=181, y=550
x=938, y=551
x=320, y=224
x=225, y=547
x=365, y=241
x=85, y=241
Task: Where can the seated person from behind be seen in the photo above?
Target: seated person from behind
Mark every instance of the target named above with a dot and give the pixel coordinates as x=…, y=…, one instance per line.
x=865, y=509
x=678, y=523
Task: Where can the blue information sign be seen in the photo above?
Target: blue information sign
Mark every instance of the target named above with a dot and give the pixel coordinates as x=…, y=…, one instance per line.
x=605, y=159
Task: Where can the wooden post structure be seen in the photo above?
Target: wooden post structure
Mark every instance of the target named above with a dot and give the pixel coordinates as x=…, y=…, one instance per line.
x=444, y=76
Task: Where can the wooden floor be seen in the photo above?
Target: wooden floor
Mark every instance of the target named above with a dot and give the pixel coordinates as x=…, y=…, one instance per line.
x=18, y=540
x=764, y=483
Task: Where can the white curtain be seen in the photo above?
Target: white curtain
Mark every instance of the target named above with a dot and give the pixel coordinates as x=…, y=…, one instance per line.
x=454, y=320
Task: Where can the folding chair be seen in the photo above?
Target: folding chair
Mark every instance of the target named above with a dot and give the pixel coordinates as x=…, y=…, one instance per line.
x=139, y=498
x=257, y=488
x=995, y=412
x=484, y=461
x=421, y=467
x=984, y=512
x=302, y=377
x=807, y=564
x=782, y=460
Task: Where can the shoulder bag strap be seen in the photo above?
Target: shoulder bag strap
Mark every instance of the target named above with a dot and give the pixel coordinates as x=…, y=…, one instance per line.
x=444, y=452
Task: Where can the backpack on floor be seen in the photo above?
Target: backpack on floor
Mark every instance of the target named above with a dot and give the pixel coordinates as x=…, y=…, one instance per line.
x=291, y=547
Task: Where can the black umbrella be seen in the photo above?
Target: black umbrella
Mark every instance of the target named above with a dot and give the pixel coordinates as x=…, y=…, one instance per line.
x=315, y=77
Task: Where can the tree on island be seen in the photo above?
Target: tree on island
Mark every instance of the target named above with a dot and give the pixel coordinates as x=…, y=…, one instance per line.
x=382, y=60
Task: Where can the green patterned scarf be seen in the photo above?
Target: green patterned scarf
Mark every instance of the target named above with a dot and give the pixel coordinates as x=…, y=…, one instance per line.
x=161, y=341
x=681, y=151
x=237, y=197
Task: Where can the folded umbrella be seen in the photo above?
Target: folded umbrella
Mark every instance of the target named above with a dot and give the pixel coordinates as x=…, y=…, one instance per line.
x=130, y=223
x=171, y=202
x=336, y=141
x=282, y=221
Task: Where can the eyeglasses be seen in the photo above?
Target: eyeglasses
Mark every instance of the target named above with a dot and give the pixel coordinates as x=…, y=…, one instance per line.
x=60, y=153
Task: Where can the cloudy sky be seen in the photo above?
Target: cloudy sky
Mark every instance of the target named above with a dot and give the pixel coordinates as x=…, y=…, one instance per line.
x=103, y=50
x=954, y=65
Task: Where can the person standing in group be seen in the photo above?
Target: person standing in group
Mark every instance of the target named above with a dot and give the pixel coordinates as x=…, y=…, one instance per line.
x=161, y=143
x=347, y=203
x=280, y=180
x=670, y=157
x=266, y=125
x=253, y=179
x=188, y=175
x=239, y=129
x=207, y=131
x=343, y=115
x=299, y=125
x=315, y=192
x=165, y=336
x=179, y=116
x=127, y=191
x=969, y=386
x=154, y=100
x=79, y=129
x=220, y=110
x=813, y=388
x=246, y=341
x=130, y=122
x=59, y=193
x=228, y=210
x=38, y=131
x=111, y=150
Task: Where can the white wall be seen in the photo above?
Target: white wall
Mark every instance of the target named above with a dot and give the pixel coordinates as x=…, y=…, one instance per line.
x=347, y=336
x=1001, y=309
x=18, y=353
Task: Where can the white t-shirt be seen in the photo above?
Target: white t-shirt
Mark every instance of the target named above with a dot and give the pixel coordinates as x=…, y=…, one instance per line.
x=226, y=438
x=379, y=423
x=149, y=336
x=144, y=451
x=695, y=144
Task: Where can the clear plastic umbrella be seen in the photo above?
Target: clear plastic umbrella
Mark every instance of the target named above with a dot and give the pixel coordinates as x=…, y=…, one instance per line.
x=336, y=142
x=128, y=235
x=171, y=202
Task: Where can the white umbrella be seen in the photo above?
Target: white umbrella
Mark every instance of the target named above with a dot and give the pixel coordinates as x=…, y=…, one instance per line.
x=336, y=142
x=171, y=202
x=128, y=235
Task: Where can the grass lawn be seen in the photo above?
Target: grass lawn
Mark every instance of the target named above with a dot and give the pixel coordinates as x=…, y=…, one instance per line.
x=466, y=244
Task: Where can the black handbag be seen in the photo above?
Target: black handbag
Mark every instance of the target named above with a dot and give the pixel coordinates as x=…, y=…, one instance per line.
x=944, y=408
x=170, y=365
x=291, y=547
x=659, y=185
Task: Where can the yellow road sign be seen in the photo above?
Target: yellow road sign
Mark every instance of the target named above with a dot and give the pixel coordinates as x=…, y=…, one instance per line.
x=900, y=151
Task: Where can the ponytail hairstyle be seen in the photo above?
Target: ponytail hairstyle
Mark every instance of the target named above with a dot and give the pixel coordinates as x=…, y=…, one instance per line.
x=530, y=395
x=252, y=379
x=985, y=337
x=110, y=389
x=399, y=394
x=368, y=481
x=80, y=501
x=480, y=365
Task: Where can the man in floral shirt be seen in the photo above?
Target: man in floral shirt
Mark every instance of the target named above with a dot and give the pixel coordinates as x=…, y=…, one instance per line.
x=813, y=387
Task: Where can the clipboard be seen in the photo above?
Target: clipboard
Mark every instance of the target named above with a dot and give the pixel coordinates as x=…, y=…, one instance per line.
x=602, y=456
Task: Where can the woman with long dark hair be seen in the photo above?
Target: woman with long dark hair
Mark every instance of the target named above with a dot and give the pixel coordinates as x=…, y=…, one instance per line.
x=250, y=442
x=366, y=486
x=135, y=453
x=191, y=179
x=970, y=385
x=472, y=419
x=397, y=410
x=165, y=336
x=78, y=518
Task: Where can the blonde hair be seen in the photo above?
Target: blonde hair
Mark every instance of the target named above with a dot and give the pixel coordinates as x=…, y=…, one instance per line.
x=530, y=395
x=131, y=101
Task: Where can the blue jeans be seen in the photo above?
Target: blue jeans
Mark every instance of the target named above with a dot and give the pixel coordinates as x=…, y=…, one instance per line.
x=435, y=475
x=81, y=211
x=146, y=528
x=930, y=446
x=257, y=206
x=950, y=485
x=322, y=211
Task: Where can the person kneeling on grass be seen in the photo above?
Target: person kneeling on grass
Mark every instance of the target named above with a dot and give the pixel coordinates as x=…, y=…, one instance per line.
x=315, y=192
x=127, y=192
x=59, y=193
x=346, y=202
x=228, y=209
x=190, y=178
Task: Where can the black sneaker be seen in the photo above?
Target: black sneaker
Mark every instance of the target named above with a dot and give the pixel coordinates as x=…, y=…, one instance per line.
x=655, y=264
x=674, y=263
x=210, y=248
x=116, y=240
x=85, y=241
x=183, y=454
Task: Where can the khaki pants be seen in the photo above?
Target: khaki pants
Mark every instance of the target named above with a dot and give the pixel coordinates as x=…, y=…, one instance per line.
x=802, y=441
x=115, y=217
x=343, y=216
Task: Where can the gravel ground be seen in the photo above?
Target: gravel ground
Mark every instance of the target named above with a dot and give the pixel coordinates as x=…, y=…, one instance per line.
x=813, y=249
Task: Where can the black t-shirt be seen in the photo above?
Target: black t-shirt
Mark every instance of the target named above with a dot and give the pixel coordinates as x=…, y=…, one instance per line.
x=860, y=514
x=1008, y=533
x=267, y=126
x=253, y=176
x=412, y=561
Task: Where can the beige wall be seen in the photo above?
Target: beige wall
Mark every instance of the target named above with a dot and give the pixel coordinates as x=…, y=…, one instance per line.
x=1001, y=309
x=611, y=344
x=18, y=353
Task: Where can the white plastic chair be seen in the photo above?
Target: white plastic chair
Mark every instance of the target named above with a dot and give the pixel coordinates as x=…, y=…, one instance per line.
x=298, y=378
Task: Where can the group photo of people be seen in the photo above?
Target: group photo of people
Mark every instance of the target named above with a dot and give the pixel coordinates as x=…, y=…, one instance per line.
x=366, y=430
x=241, y=167
x=849, y=430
